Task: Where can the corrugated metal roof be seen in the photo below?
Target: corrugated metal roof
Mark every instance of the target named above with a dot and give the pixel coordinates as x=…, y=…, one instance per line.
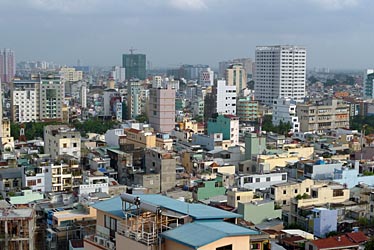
x=197, y=211
x=112, y=206
x=201, y=233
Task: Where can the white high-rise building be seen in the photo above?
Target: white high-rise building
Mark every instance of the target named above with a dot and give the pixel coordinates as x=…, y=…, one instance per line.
x=226, y=98
x=206, y=77
x=280, y=72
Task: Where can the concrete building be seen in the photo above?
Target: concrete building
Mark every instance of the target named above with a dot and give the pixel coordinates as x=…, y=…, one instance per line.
x=65, y=177
x=284, y=110
x=325, y=221
x=247, y=109
x=83, y=95
x=24, y=100
x=235, y=195
x=323, y=115
x=135, y=66
x=62, y=140
x=110, y=98
x=261, y=181
x=206, y=77
x=51, y=99
x=114, y=227
x=140, y=138
x=258, y=211
x=280, y=72
x=254, y=145
x=7, y=65
x=135, y=98
x=368, y=91
x=228, y=125
x=95, y=182
x=112, y=136
x=71, y=74
x=236, y=76
x=226, y=98
x=284, y=192
x=17, y=227
x=162, y=109
x=161, y=162
x=37, y=178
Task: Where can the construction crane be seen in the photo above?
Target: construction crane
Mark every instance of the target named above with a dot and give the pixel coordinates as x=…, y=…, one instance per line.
x=132, y=50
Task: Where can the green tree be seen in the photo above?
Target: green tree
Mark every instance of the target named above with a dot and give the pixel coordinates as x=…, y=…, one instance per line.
x=370, y=244
x=142, y=118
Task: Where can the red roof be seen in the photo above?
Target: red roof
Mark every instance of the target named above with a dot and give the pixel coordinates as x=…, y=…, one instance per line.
x=133, y=130
x=358, y=237
x=349, y=239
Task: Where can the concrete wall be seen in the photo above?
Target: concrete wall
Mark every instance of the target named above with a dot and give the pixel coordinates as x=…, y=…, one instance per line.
x=257, y=213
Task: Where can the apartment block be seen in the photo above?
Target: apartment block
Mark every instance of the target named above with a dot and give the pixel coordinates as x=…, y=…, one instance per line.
x=226, y=98
x=162, y=109
x=164, y=163
x=284, y=110
x=71, y=74
x=65, y=177
x=140, y=138
x=323, y=115
x=280, y=72
x=24, y=95
x=60, y=140
x=51, y=99
x=236, y=76
x=247, y=109
x=284, y=192
x=228, y=125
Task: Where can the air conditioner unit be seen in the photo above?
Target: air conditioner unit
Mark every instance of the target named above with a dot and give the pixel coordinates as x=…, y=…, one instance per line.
x=109, y=244
x=127, y=233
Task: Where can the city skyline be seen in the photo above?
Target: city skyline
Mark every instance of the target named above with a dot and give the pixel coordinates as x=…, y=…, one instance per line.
x=172, y=32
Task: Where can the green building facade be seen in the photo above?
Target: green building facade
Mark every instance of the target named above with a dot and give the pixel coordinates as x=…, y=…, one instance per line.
x=254, y=145
x=207, y=189
x=260, y=211
x=135, y=66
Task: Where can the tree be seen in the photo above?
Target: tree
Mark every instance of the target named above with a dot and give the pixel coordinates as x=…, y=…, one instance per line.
x=370, y=244
x=142, y=118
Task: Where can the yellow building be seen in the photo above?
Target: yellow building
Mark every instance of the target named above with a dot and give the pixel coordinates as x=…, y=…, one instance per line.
x=284, y=192
x=234, y=196
x=140, y=138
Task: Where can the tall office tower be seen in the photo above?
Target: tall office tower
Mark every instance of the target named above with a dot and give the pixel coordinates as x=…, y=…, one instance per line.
x=236, y=76
x=51, y=99
x=369, y=84
x=280, y=72
x=135, y=66
x=7, y=65
x=162, y=109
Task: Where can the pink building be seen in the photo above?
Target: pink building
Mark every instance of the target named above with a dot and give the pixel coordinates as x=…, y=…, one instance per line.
x=7, y=65
x=162, y=109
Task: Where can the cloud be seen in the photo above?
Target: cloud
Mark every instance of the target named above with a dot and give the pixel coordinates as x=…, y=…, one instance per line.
x=188, y=4
x=64, y=6
x=335, y=4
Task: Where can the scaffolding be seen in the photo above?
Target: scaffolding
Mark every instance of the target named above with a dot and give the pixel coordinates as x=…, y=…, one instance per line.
x=144, y=222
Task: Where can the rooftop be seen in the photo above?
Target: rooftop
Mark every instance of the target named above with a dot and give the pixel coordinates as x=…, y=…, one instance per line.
x=199, y=234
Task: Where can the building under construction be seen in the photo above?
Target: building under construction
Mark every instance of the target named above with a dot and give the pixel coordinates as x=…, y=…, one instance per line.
x=17, y=228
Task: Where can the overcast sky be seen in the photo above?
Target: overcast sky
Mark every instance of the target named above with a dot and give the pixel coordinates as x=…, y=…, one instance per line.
x=336, y=33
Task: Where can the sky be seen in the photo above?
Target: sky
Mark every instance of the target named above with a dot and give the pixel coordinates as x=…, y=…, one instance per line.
x=337, y=33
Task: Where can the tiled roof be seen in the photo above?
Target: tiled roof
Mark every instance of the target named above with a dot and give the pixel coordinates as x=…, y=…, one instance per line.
x=346, y=240
x=358, y=237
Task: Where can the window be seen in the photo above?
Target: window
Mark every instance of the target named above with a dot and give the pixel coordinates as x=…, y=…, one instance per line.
x=284, y=177
x=39, y=180
x=256, y=246
x=296, y=191
x=267, y=178
x=65, y=145
x=284, y=202
x=307, y=190
x=238, y=198
x=257, y=179
x=75, y=145
x=227, y=247
x=284, y=191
